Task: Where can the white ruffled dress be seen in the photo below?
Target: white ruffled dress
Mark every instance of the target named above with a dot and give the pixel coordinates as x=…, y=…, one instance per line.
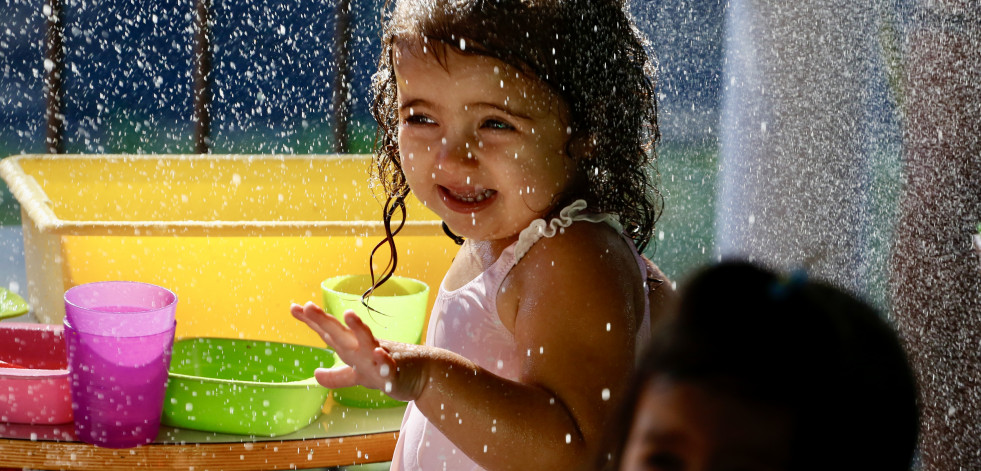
x=465, y=321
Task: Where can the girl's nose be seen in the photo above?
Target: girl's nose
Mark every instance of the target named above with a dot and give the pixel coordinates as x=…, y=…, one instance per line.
x=458, y=149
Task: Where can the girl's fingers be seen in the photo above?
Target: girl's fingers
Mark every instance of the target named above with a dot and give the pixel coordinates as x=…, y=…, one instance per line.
x=337, y=377
x=309, y=316
x=361, y=331
x=313, y=310
x=314, y=322
x=368, y=363
x=329, y=327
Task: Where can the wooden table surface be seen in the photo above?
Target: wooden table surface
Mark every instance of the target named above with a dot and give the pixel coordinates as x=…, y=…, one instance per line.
x=269, y=455
x=342, y=436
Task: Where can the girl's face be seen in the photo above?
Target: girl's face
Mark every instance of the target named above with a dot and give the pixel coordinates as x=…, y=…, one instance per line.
x=681, y=426
x=482, y=144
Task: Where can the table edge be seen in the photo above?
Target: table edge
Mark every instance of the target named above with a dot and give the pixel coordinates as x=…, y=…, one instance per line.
x=246, y=456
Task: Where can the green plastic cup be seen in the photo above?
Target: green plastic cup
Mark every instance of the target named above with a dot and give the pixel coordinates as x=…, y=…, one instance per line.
x=399, y=314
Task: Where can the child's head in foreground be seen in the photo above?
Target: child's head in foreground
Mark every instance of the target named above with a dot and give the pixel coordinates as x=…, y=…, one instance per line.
x=584, y=54
x=757, y=371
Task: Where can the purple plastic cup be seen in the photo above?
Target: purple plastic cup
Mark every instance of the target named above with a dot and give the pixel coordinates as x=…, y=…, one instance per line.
x=117, y=385
x=120, y=308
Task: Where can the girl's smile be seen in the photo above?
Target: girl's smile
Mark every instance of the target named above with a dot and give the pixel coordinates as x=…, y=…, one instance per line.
x=482, y=143
x=466, y=200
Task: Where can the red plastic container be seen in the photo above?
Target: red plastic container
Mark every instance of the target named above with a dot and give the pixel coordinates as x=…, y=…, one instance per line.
x=33, y=374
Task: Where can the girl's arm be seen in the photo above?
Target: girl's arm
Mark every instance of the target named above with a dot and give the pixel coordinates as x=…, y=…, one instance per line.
x=575, y=318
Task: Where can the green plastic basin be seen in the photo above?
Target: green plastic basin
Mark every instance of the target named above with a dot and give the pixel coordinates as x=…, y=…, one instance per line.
x=244, y=387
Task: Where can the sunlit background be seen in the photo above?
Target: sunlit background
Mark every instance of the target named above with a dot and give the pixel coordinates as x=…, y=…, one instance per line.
x=783, y=129
x=129, y=89
x=129, y=84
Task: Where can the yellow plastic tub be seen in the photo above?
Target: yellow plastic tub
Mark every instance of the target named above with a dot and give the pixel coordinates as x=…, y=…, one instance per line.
x=237, y=238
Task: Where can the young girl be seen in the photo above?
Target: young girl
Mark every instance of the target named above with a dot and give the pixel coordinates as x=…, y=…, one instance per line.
x=529, y=128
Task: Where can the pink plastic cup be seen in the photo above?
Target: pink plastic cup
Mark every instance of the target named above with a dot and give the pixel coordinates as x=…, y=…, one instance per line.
x=117, y=385
x=120, y=308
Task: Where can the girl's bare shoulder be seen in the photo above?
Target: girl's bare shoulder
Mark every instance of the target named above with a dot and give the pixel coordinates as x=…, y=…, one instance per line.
x=583, y=260
x=586, y=244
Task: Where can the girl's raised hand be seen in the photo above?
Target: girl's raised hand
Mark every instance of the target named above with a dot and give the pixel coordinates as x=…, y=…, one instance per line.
x=369, y=361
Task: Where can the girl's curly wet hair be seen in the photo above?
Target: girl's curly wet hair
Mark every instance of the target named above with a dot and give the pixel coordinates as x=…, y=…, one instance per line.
x=587, y=51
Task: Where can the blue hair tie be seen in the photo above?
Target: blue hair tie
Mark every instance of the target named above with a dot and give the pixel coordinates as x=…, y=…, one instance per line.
x=782, y=287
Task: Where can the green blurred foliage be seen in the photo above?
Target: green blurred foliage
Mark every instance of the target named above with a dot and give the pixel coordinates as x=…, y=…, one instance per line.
x=685, y=233
x=9, y=208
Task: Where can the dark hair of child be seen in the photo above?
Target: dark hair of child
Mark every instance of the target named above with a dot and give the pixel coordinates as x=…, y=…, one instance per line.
x=816, y=352
x=585, y=50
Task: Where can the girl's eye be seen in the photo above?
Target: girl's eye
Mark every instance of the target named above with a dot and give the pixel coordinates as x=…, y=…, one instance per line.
x=418, y=119
x=497, y=125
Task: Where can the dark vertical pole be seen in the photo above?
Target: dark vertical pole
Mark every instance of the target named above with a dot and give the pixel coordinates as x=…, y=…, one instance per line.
x=54, y=66
x=342, y=87
x=936, y=285
x=202, y=78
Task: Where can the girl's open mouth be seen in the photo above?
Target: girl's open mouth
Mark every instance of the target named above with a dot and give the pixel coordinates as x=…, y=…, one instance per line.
x=466, y=201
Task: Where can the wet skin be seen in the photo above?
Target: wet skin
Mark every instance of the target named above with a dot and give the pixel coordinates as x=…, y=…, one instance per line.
x=483, y=145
